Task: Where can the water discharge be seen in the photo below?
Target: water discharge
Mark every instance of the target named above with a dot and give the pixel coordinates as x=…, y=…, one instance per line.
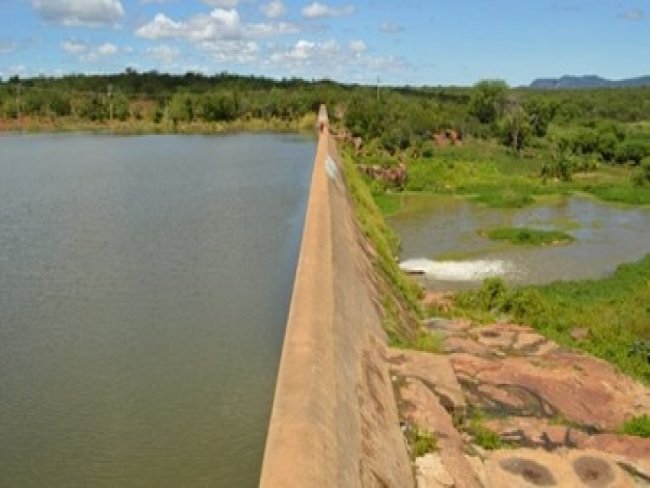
x=458, y=270
x=442, y=238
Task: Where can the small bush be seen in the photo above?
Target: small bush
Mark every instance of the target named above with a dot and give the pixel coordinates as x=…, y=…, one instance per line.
x=421, y=442
x=428, y=342
x=483, y=437
x=637, y=426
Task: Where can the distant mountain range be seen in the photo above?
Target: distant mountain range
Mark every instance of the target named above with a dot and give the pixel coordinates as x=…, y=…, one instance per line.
x=588, y=81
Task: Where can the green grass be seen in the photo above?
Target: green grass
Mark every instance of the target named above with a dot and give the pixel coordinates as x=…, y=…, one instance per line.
x=637, y=426
x=421, y=442
x=403, y=294
x=388, y=203
x=483, y=436
x=527, y=236
x=634, y=195
x=493, y=176
x=616, y=310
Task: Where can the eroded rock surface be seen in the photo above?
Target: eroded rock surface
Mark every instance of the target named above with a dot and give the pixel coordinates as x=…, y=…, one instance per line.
x=555, y=409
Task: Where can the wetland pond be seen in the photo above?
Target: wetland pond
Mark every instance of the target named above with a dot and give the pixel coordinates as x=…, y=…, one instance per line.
x=144, y=290
x=443, y=237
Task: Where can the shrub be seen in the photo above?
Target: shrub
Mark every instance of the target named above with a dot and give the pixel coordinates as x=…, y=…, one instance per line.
x=631, y=151
x=637, y=426
x=483, y=437
x=421, y=442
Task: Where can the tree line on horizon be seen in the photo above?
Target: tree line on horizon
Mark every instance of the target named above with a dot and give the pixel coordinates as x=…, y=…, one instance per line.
x=608, y=122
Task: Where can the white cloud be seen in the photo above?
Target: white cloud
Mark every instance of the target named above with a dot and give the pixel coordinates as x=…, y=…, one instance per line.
x=330, y=60
x=274, y=9
x=221, y=34
x=88, y=53
x=317, y=10
x=107, y=49
x=224, y=24
x=163, y=53
x=90, y=13
x=358, y=47
x=306, y=53
x=222, y=3
x=634, y=15
x=240, y=52
x=391, y=28
x=73, y=47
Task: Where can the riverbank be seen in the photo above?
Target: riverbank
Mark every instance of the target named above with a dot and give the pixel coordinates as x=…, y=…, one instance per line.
x=496, y=403
x=144, y=127
x=488, y=173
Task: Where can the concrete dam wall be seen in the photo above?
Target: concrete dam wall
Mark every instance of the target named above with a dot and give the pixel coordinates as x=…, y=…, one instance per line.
x=334, y=420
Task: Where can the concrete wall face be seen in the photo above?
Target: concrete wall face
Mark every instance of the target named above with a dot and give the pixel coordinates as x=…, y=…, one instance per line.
x=334, y=420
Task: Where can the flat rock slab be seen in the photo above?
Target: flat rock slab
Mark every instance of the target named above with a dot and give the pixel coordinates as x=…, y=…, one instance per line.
x=512, y=370
x=421, y=407
x=528, y=468
x=431, y=473
x=536, y=432
x=434, y=370
x=581, y=388
x=631, y=452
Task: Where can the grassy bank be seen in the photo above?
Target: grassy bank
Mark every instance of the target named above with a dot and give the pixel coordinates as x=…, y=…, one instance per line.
x=528, y=237
x=143, y=126
x=401, y=295
x=613, y=312
x=491, y=175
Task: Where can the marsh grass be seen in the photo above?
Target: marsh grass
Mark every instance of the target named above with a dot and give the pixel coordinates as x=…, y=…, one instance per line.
x=527, y=236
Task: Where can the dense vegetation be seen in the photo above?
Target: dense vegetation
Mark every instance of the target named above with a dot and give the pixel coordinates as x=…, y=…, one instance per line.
x=522, y=140
x=502, y=147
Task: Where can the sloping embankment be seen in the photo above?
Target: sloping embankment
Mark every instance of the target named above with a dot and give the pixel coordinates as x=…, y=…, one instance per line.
x=334, y=419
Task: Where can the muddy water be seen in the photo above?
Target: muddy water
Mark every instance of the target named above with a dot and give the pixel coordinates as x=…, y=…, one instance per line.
x=144, y=288
x=440, y=235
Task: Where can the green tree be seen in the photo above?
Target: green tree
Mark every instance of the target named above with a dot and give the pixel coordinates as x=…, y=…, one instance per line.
x=181, y=108
x=486, y=99
x=514, y=125
x=632, y=151
x=541, y=111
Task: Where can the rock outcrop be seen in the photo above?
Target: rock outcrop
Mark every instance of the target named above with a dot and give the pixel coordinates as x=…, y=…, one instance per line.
x=557, y=410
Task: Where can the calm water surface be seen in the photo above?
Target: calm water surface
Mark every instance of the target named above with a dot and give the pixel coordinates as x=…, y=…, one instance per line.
x=144, y=287
x=442, y=236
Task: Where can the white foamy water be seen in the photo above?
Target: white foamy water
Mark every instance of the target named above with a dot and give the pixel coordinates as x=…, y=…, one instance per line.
x=459, y=270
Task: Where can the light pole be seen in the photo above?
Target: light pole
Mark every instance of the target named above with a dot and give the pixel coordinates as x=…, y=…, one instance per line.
x=110, y=103
x=18, y=110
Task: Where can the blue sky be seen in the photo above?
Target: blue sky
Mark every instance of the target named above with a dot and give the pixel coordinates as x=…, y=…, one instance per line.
x=416, y=42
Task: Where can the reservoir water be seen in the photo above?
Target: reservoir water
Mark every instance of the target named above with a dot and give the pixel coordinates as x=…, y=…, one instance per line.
x=144, y=289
